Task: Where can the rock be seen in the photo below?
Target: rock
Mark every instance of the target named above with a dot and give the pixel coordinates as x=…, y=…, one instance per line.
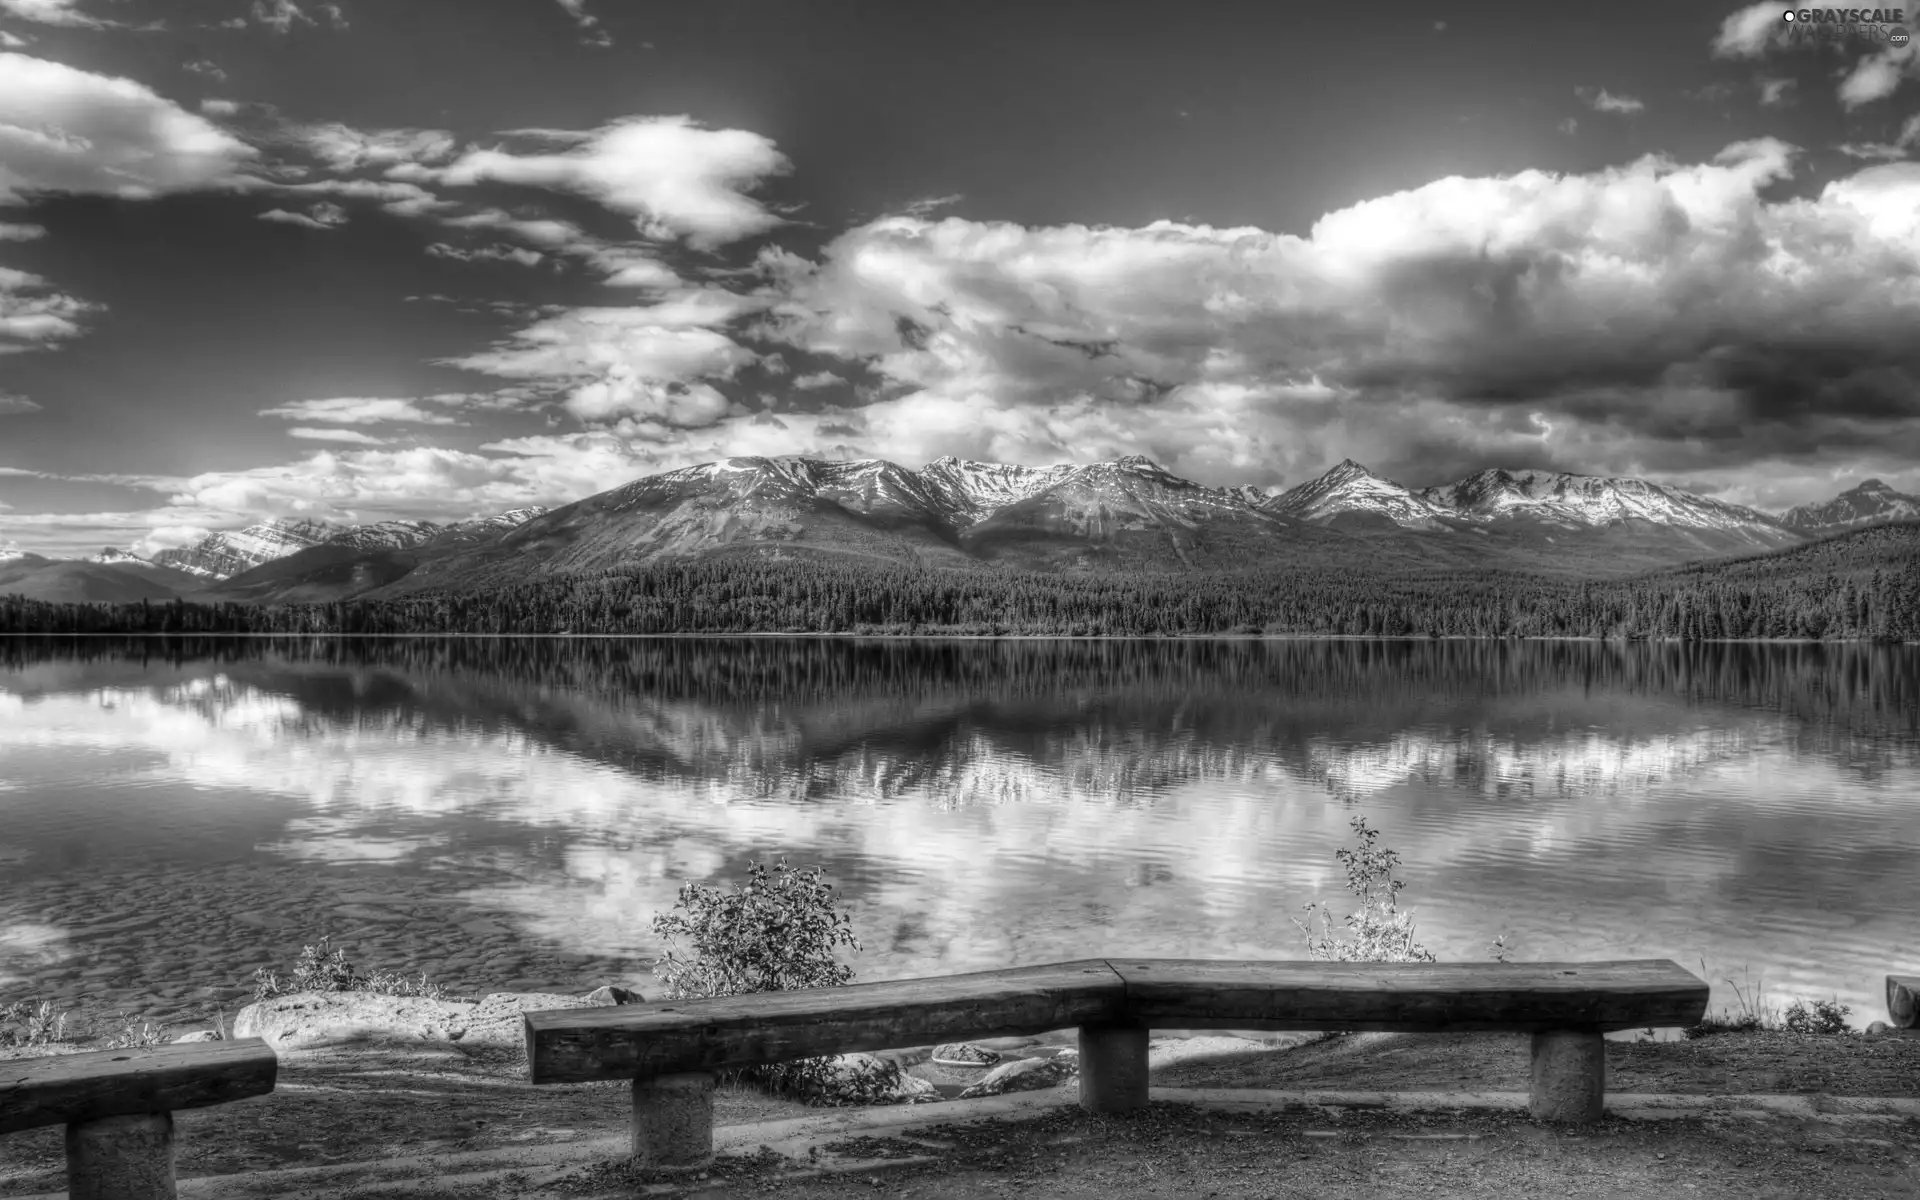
x=496, y=1020
x=964, y=1054
x=1878, y=1028
x=308, y=1019
x=869, y=1079
x=1026, y=1075
x=609, y=994
x=199, y=1035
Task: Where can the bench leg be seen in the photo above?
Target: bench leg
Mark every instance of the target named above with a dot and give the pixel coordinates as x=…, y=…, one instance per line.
x=673, y=1119
x=121, y=1158
x=1113, y=1067
x=1569, y=1076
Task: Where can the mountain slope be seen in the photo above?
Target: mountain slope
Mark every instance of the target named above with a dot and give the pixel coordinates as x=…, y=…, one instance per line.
x=76, y=581
x=1871, y=503
x=219, y=555
x=359, y=560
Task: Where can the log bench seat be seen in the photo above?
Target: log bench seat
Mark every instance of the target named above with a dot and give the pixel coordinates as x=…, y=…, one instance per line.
x=671, y=1049
x=118, y=1107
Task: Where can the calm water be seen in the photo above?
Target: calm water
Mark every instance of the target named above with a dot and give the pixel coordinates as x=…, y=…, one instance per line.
x=507, y=814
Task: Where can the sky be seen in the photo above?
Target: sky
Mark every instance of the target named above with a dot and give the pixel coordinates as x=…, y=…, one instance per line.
x=356, y=261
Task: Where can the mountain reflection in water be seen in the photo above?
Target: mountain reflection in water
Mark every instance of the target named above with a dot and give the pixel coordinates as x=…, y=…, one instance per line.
x=508, y=812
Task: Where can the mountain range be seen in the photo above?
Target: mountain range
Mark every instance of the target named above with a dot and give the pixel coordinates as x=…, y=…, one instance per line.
x=1129, y=514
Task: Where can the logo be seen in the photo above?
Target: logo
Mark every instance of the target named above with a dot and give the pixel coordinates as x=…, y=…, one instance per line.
x=1882, y=25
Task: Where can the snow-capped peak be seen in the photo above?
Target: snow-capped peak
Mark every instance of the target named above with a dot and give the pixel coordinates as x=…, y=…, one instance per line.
x=113, y=554
x=1869, y=503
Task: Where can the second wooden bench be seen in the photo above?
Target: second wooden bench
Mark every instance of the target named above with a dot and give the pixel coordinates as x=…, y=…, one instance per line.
x=672, y=1049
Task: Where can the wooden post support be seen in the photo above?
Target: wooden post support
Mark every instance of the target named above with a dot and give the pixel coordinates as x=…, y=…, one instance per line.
x=1569, y=1076
x=1113, y=1067
x=1903, y=1000
x=673, y=1119
x=121, y=1158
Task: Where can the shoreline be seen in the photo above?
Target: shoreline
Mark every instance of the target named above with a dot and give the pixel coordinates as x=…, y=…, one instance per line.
x=1010, y=637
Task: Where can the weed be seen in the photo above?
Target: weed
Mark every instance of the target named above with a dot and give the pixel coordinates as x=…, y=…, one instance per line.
x=1381, y=931
x=1822, y=1016
x=323, y=967
x=24, y=1023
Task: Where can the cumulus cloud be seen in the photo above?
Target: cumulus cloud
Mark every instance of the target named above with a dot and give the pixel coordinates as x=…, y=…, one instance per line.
x=12, y=405
x=206, y=69
x=17, y=232
x=214, y=107
x=67, y=130
x=1602, y=100
x=365, y=410
x=34, y=314
x=1776, y=93
x=513, y=254
x=320, y=216
x=420, y=481
x=1751, y=32
x=650, y=367
x=1657, y=316
x=674, y=177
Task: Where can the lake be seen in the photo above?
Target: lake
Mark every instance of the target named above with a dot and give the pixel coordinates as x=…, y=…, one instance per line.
x=508, y=813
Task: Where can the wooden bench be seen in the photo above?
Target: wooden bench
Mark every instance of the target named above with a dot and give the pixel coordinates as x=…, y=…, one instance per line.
x=118, y=1107
x=672, y=1049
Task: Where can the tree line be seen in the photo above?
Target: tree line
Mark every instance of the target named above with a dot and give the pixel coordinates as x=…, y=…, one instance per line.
x=1872, y=594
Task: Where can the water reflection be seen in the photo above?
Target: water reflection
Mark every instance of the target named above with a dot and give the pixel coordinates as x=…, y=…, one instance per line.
x=509, y=811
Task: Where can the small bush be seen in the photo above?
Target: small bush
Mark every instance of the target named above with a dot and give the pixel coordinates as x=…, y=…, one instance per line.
x=323, y=967
x=1822, y=1016
x=135, y=1034
x=1380, y=931
x=24, y=1023
x=777, y=933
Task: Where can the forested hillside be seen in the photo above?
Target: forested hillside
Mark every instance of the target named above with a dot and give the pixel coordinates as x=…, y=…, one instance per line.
x=1859, y=585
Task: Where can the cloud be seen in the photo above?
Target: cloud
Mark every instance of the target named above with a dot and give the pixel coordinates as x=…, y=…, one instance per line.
x=645, y=369
x=218, y=108
x=817, y=379
x=1569, y=126
x=64, y=130
x=34, y=315
x=15, y=232
x=1751, y=32
x=591, y=33
x=1776, y=93
x=364, y=410
x=12, y=405
x=1904, y=143
x=1877, y=76
x=1659, y=316
x=512, y=254
x=352, y=436
x=53, y=12
x=206, y=69
x=344, y=148
x=279, y=15
x=1602, y=100
x=675, y=178
x=320, y=216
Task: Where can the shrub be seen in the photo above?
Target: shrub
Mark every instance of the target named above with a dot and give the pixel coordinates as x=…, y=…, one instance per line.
x=1380, y=931
x=1823, y=1016
x=323, y=967
x=24, y=1023
x=777, y=933
x=135, y=1034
